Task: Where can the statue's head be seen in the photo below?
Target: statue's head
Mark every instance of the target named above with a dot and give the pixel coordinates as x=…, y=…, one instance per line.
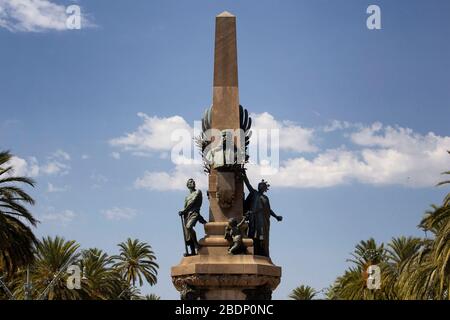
x=232, y=222
x=190, y=184
x=263, y=186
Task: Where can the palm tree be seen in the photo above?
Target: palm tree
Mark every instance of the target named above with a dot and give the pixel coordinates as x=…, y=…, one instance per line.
x=303, y=293
x=368, y=253
x=429, y=270
x=122, y=289
x=350, y=286
x=16, y=238
x=98, y=279
x=151, y=296
x=353, y=284
x=48, y=272
x=136, y=261
x=400, y=251
x=418, y=277
x=441, y=252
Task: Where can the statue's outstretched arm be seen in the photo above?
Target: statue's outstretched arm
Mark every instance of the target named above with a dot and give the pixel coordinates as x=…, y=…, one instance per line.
x=242, y=222
x=273, y=214
x=247, y=183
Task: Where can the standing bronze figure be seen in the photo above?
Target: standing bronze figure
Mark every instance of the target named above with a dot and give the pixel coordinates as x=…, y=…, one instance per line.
x=191, y=214
x=258, y=212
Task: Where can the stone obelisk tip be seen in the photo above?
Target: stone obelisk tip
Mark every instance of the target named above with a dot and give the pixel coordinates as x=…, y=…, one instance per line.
x=225, y=14
x=225, y=53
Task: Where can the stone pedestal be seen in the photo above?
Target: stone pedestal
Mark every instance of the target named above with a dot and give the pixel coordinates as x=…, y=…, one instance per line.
x=214, y=274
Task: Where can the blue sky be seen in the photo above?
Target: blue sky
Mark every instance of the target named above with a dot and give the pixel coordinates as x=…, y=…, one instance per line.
x=363, y=119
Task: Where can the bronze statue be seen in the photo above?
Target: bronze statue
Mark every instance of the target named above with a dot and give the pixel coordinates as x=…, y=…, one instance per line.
x=257, y=210
x=190, y=215
x=235, y=233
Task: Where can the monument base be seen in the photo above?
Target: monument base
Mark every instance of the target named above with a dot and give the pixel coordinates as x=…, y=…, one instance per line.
x=213, y=275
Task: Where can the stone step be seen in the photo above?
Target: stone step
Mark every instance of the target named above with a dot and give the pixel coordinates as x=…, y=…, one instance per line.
x=215, y=228
x=218, y=245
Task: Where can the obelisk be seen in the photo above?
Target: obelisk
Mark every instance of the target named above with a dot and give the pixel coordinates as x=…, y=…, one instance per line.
x=225, y=115
x=214, y=273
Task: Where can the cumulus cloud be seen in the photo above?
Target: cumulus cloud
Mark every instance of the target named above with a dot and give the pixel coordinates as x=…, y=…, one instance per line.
x=173, y=180
x=35, y=16
x=119, y=213
x=161, y=135
x=379, y=155
x=55, y=167
x=335, y=125
x=22, y=167
x=173, y=134
x=57, y=164
x=292, y=137
x=155, y=134
x=64, y=217
x=61, y=154
x=164, y=137
x=329, y=168
x=373, y=154
x=400, y=155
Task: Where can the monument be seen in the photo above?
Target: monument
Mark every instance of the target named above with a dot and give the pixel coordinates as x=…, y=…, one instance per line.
x=227, y=265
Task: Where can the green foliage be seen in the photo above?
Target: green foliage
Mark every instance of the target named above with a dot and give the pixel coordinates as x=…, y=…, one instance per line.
x=151, y=296
x=136, y=261
x=303, y=293
x=33, y=269
x=101, y=278
x=411, y=268
x=16, y=237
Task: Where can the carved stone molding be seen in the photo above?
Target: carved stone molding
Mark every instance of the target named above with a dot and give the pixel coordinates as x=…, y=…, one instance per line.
x=255, y=287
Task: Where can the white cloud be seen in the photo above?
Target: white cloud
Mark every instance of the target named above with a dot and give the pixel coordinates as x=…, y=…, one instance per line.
x=35, y=16
x=119, y=213
x=174, y=180
x=329, y=168
x=22, y=167
x=56, y=164
x=52, y=188
x=155, y=134
x=63, y=217
x=85, y=157
x=383, y=156
x=374, y=155
x=338, y=125
x=115, y=155
x=55, y=167
x=397, y=155
x=292, y=136
x=61, y=154
x=175, y=136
